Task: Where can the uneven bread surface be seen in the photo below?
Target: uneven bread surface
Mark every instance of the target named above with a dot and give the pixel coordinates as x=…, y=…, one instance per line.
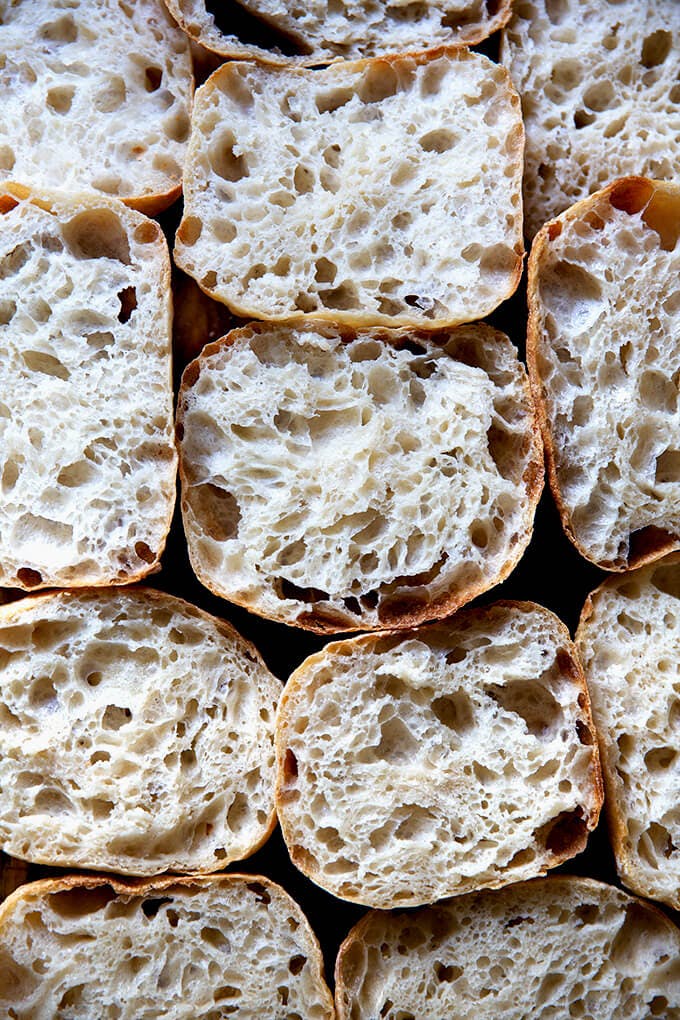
x=603, y=356
x=181, y=949
x=380, y=191
x=137, y=734
x=629, y=640
x=600, y=95
x=87, y=458
x=95, y=97
x=547, y=949
x=475, y=740
x=353, y=481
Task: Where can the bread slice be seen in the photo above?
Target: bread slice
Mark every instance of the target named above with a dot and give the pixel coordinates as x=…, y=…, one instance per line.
x=379, y=191
x=96, y=97
x=345, y=481
x=629, y=639
x=600, y=96
x=551, y=948
x=79, y=948
x=87, y=459
x=604, y=316
x=475, y=740
x=323, y=31
x=137, y=734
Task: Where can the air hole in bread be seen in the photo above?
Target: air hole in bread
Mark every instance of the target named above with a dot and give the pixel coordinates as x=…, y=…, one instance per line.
x=115, y=717
x=153, y=77
x=380, y=81
x=655, y=48
x=440, y=140
x=342, y=297
x=667, y=467
x=565, y=835
x=45, y=364
x=59, y=99
x=217, y=511
x=29, y=578
x=7, y=161
x=584, y=733
x=152, y=906
x=73, y=903
x=296, y=963
x=224, y=160
x=583, y=119
x=660, y=759
x=288, y=590
x=42, y=693
x=662, y=214
x=63, y=30
x=7, y=312
x=600, y=96
x=649, y=543
x=232, y=19
x=15, y=260
x=327, y=102
x=573, y=294
x=97, y=234
x=260, y=892
x=190, y=229
x=455, y=711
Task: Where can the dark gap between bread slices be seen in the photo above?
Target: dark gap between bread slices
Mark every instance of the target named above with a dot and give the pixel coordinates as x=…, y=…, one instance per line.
x=234, y=20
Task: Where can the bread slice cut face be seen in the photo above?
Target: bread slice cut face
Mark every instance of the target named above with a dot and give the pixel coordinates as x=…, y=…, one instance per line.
x=456, y=757
x=604, y=361
x=137, y=734
x=87, y=458
x=345, y=481
x=554, y=947
x=377, y=191
x=84, y=947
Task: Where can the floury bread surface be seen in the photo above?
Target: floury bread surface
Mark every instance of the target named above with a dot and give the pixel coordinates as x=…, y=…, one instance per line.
x=137, y=734
x=604, y=360
x=346, y=481
x=87, y=459
x=546, y=950
x=96, y=96
x=380, y=191
x=456, y=757
x=181, y=949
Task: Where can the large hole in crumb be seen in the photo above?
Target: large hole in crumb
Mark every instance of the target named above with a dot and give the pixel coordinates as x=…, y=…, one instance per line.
x=662, y=215
x=565, y=835
x=217, y=511
x=226, y=163
x=128, y=302
x=531, y=701
x=97, y=234
x=455, y=711
x=656, y=47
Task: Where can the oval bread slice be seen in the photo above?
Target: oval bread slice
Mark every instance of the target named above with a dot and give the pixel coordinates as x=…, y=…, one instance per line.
x=547, y=949
x=136, y=734
x=343, y=481
x=181, y=949
x=421, y=765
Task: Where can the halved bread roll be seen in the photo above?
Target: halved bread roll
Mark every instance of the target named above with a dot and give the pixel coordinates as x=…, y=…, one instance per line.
x=182, y=949
x=95, y=97
x=343, y=481
x=379, y=191
x=604, y=362
x=551, y=948
x=452, y=758
x=87, y=458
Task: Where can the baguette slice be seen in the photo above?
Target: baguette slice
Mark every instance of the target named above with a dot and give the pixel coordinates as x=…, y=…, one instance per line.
x=600, y=95
x=604, y=361
x=137, y=734
x=96, y=96
x=546, y=950
x=322, y=31
x=379, y=191
x=629, y=638
x=78, y=948
x=344, y=481
x=87, y=459
x=452, y=758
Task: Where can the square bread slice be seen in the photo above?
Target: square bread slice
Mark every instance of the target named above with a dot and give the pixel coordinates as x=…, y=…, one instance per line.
x=87, y=459
x=345, y=481
x=544, y=950
x=629, y=641
x=456, y=757
x=96, y=96
x=604, y=362
x=600, y=95
x=379, y=191
x=81, y=948
x=137, y=734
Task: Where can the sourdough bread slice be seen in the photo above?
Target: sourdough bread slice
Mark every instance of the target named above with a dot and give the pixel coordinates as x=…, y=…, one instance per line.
x=183, y=949
x=137, y=734
x=322, y=31
x=379, y=191
x=629, y=639
x=603, y=357
x=95, y=97
x=345, y=481
x=474, y=738
x=600, y=95
x=545, y=950
x=87, y=459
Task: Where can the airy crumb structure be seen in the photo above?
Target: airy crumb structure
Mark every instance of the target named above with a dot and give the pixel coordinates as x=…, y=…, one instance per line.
x=380, y=191
x=95, y=97
x=600, y=94
x=181, y=949
x=321, y=31
x=344, y=481
x=629, y=640
x=87, y=459
x=604, y=316
x=136, y=734
x=475, y=740
x=548, y=949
